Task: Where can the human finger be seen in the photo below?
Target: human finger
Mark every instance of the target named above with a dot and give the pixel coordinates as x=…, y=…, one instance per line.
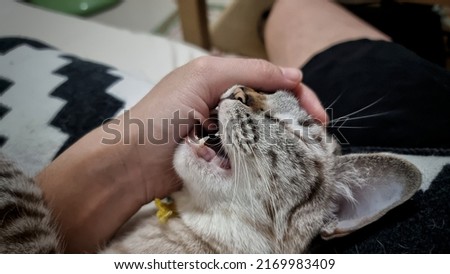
x=310, y=103
x=219, y=74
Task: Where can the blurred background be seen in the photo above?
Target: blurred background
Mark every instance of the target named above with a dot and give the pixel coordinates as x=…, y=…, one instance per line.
x=235, y=26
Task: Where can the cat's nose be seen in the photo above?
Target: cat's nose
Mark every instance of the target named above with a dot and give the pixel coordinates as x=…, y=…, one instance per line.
x=247, y=96
x=239, y=93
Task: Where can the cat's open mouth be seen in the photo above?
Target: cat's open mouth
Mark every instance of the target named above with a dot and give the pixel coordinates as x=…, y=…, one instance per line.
x=207, y=144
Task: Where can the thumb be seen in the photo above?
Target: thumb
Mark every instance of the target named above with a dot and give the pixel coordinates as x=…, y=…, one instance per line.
x=219, y=73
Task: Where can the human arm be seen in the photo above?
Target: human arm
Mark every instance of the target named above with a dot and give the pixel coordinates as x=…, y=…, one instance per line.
x=93, y=187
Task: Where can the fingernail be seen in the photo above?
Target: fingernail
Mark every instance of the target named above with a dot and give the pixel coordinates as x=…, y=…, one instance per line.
x=292, y=74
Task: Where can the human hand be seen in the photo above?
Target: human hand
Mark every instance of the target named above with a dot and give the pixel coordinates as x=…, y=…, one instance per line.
x=198, y=86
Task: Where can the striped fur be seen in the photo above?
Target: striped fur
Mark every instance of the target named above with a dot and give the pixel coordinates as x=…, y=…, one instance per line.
x=26, y=224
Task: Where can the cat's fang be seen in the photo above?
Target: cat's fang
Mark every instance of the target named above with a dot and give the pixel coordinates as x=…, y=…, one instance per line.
x=203, y=140
x=200, y=149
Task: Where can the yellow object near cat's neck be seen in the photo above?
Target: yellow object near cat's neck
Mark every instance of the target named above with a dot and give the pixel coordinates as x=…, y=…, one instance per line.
x=165, y=210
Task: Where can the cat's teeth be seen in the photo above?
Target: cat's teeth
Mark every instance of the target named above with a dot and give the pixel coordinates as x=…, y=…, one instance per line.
x=192, y=139
x=203, y=140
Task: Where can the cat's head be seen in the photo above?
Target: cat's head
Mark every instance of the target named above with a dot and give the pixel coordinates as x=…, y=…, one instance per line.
x=274, y=171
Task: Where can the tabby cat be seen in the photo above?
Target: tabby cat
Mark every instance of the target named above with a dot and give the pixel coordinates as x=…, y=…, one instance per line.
x=269, y=181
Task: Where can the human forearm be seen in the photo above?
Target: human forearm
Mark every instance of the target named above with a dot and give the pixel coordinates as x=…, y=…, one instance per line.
x=91, y=191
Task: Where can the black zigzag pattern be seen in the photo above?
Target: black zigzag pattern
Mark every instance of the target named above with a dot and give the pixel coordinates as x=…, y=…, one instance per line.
x=4, y=85
x=3, y=110
x=9, y=43
x=88, y=104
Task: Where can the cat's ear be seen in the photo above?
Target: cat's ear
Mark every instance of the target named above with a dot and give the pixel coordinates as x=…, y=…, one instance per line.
x=377, y=184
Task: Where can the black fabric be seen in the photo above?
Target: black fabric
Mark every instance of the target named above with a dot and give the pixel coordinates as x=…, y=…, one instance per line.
x=381, y=94
x=400, y=21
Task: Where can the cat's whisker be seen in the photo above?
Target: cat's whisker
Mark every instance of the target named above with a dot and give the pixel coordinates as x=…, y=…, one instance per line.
x=261, y=167
x=236, y=175
x=355, y=112
x=240, y=171
x=344, y=119
x=250, y=186
x=349, y=127
x=368, y=116
x=335, y=100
